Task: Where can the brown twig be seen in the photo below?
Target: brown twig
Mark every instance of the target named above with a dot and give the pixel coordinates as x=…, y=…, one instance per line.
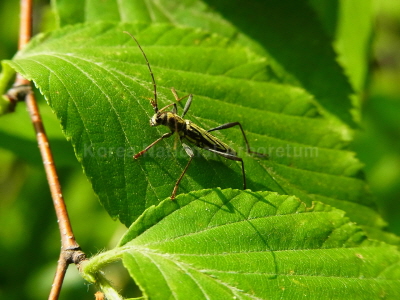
x=70, y=250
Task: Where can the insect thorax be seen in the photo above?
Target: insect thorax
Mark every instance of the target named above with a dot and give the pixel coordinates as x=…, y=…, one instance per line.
x=169, y=119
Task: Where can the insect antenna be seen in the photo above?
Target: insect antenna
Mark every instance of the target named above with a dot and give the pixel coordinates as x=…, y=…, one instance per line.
x=154, y=101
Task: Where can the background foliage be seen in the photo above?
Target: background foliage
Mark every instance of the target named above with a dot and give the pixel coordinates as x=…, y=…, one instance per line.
x=22, y=180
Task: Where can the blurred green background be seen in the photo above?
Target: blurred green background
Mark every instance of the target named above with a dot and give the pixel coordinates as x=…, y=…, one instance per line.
x=29, y=238
x=378, y=141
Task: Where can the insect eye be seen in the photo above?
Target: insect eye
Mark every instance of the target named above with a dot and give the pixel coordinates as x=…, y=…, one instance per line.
x=161, y=119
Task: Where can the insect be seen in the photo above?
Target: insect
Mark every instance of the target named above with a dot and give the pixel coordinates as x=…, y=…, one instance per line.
x=187, y=131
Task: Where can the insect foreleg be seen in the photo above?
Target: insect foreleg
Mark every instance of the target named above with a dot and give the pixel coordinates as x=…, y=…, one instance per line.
x=165, y=107
x=229, y=125
x=189, y=152
x=175, y=109
x=187, y=105
x=165, y=135
x=231, y=157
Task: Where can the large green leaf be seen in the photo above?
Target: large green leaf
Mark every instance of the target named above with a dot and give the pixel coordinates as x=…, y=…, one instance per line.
x=96, y=80
x=288, y=33
x=224, y=244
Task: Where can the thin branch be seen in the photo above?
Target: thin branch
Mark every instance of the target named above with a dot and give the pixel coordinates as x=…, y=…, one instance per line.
x=25, y=25
x=70, y=250
x=67, y=236
x=66, y=257
x=62, y=267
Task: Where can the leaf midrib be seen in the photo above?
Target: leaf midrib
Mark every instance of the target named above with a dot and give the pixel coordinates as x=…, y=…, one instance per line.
x=174, y=257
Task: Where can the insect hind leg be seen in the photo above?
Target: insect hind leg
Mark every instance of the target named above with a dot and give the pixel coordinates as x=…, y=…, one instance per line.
x=229, y=125
x=231, y=157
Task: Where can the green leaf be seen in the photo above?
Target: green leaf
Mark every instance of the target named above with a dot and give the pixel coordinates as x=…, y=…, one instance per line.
x=352, y=35
x=288, y=33
x=353, y=41
x=95, y=79
x=224, y=244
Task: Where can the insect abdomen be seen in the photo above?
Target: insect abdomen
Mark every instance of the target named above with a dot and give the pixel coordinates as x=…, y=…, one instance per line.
x=203, y=139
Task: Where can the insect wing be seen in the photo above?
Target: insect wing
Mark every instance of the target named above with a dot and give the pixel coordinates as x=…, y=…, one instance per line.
x=203, y=139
